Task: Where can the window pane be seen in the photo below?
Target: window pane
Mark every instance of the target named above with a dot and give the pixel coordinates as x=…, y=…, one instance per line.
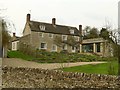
x=64, y=47
x=64, y=37
x=54, y=48
x=71, y=31
x=43, y=45
x=73, y=48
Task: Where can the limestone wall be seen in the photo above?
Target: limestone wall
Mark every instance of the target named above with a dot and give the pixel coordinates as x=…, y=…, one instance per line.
x=39, y=78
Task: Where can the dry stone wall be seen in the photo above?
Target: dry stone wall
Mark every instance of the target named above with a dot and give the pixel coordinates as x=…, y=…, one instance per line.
x=39, y=78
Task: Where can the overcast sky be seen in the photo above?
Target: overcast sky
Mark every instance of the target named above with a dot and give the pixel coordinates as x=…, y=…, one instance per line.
x=94, y=13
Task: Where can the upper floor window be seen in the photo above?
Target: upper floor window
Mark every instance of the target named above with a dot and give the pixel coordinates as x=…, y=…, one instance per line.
x=42, y=27
x=50, y=35
x=71, y=31
x=41, y=34
x=76, y=38
x=64, y=37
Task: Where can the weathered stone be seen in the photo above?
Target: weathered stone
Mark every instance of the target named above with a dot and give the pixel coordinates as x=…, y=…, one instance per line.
x=39, y=78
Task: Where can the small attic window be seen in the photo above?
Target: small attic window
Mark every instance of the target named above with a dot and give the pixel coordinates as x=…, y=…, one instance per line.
x=71, y=31
x=42, y=27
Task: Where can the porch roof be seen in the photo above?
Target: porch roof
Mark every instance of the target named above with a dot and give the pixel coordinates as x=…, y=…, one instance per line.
x=94, y=40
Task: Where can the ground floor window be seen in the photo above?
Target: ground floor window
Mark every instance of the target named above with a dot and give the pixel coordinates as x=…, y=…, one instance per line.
x=74, y=49
x=43, y=46
x=54, y=47
x=87, y=48
x=65, y=47
x=13, y=46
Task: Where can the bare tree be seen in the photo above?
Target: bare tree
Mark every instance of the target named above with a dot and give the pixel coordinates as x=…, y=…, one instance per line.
x=71, y=41
x=0, y=38
x=58, y=41
x=5, y=37
x=114, y=37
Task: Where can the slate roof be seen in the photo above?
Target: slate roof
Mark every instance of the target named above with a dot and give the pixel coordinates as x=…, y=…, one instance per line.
x=49, y=28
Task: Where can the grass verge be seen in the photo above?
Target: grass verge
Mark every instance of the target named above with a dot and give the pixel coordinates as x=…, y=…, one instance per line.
x=104, y=68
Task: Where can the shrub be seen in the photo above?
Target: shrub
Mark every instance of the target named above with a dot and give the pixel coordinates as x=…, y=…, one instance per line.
x=54, y=57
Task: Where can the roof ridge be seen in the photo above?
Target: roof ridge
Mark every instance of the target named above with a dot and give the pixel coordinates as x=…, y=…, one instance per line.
x=56, y=24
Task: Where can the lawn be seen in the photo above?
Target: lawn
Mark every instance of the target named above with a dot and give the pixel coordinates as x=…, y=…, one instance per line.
x=17, y=54
x=96, y=69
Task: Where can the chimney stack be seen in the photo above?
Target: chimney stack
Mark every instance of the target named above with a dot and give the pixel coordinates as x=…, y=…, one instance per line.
x=80, y=29
x=53, y=21
x=28, y=18
x=13, y=34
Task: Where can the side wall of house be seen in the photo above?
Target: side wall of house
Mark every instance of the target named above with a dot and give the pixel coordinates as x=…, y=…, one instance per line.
x=27, y=30
x=24, y=42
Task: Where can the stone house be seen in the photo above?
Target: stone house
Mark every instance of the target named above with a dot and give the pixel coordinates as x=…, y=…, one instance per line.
x=41, y=35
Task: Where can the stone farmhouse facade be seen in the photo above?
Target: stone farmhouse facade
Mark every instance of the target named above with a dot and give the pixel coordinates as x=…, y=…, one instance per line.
x=41, y=35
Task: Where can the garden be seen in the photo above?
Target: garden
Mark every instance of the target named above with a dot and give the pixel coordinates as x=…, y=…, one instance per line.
x=54, y=57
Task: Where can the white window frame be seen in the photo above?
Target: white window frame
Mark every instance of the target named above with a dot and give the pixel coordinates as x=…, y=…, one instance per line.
x=64, y=47
x=64, y=39
x=72, y=49
x=45, y=45
x=72, y=31
x=13, y=45
x=55, y=48
x=51, y=35
x=42, y=27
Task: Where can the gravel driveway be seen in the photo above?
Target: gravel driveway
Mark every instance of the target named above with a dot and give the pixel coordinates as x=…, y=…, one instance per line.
x=15, y=62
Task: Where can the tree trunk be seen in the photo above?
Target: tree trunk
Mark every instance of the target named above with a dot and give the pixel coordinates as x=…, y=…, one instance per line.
x=119, y=66
x=0, y=38
x=118, y=60
x=5, y=51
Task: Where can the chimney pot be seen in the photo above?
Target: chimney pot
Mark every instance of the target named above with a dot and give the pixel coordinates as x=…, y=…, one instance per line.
x=53, y=21
x=28, y=18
